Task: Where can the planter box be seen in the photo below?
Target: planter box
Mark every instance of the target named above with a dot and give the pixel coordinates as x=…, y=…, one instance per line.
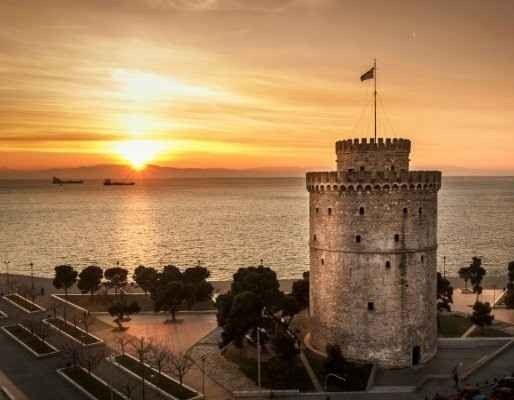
x=166, y=386
x=23, y=303
x=75, y=333
x=24, y=337
x=90, y=385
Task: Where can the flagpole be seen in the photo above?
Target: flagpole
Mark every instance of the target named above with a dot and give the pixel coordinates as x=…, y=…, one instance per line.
x=375, y=94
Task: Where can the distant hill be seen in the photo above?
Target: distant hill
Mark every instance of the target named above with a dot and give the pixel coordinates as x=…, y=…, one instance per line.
x=150, y=172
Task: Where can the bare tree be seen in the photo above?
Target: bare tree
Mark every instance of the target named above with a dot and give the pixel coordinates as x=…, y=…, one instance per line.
x=122, y=342
x=129, y=390
x=87, y=320
x=159, y=356
x=43, y=331
x=91, y=358
x=142, y=347
x=180, y=364
x=72, y=352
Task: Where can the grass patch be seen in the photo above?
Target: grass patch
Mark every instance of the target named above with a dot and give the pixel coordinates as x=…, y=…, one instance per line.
x=275, y=373
x=77, y=333
x=29, y=339
x=151, y=375
x=452, y=325
x=91, y=384
x=24, y=303
x=488, y=332
x=102, y=301
x=356, y=374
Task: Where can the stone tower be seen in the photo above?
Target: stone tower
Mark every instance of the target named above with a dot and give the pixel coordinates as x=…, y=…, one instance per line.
x=373, y=255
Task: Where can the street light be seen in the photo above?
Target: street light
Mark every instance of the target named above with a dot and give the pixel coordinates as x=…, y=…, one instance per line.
x=7, y=280
x=32, y=279
x=202, y=359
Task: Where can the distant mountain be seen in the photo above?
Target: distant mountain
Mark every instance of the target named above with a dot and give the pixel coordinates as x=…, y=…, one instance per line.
x=113, y=171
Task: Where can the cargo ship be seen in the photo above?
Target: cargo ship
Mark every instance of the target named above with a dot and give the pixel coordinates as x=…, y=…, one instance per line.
x=109, y=182
x=57, y=181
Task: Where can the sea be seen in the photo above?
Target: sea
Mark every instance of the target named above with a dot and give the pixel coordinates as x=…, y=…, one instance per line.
x=222, y=224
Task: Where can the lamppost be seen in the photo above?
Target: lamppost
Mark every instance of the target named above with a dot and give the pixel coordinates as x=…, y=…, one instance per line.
x=7, y=279
x=32, y=279
x=202, y=359
x=444, y=266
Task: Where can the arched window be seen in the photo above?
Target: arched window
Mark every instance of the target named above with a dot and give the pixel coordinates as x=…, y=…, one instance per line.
x=371, y=306
x=314, y=237
x=361, y=211
x=422, y=259
x=329, y=211
x=388, y=264
x=317, y=210
x=396, y=238
x=358, y=239
x=322, y=261
x=405, y=211
x=420, y=211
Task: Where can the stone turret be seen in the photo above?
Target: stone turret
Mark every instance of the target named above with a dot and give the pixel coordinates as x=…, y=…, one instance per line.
x=373, y=255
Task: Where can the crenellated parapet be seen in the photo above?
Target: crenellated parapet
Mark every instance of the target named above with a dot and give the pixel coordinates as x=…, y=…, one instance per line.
x=375, y=155
x=343, y=181
x=365, y=145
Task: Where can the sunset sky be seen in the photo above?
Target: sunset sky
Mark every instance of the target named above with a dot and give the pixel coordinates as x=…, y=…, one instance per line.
x=244, y=84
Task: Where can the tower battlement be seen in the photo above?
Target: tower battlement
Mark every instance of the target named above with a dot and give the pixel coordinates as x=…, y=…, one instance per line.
x=370, y=154
x=373, y=180
x=365, y=145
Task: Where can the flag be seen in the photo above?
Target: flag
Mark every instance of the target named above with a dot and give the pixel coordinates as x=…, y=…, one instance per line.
x=368, y=75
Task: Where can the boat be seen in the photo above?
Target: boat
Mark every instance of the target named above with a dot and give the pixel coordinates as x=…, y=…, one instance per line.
x=109, y=182
x=57, y=181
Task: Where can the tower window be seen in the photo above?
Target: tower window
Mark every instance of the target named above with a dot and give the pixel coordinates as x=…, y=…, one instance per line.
x=420, y=211
x=358, y=239
x=322, y=261
x=361, y=211
x=371, y=306
x=362, y=168
x=388, y=264
x=405, y=211
x=396, y=238
x=314, y=237
x=329, y=211
x=422, y=259
x=317, y=210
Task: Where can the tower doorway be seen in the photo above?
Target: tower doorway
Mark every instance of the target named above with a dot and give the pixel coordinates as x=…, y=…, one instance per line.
x=416, y=355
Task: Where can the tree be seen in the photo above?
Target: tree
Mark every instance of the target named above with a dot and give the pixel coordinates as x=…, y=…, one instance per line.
x=91, y=358
x=476, y=274
x=145, y=277
x=168, y=296
x=65, y=277
x=444, y=293
x=290, y=307
x=285, y=346
x=464, y=274
x=262, y=281
x=300, y=291
x=159, y=356
x=170, y=273
x=142, y=347
x=90, y=279
x=482, y=314
x=509, y=295
x=223, y=305
x=122, y=342
x=179, y=364
x=245, y=315
x=121, y=310
x=116, y=278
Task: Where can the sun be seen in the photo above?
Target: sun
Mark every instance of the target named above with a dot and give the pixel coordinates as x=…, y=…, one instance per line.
x=138, y=152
